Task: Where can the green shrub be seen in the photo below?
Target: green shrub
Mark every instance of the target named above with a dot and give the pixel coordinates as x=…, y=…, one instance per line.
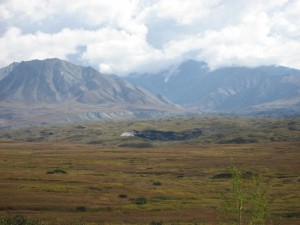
x=81, y=208
x=137, y=145
x=19, y=220
x=229, y=175
x=80, y=127
x=159, y=222
x=96, y=142
x=224, y=175
x=122, y=195
x=238, y=140
x=56, y=171
x=157, y=183
x=140, y=201
x=290, y=214
x=161, y=197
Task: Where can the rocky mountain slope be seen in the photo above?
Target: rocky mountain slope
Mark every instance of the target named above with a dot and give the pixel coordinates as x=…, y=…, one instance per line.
x=53, y=90
x=260, y=90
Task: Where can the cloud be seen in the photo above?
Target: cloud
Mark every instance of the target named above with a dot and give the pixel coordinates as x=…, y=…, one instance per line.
x=147, y=35
x=108, y=49
x=249, y=43
x=16, y=46
x=113, y=50
x=184, y=12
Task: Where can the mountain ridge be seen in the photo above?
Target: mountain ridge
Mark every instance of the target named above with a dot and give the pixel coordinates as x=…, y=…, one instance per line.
x=55, y=80
x=227, y=89
x=63, y=91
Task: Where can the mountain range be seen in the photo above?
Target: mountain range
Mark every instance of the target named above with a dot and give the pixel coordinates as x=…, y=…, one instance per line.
x=54, y=90
x=264, y=90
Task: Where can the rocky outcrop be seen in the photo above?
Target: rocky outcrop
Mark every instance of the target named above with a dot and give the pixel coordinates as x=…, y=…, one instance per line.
x=156, y=135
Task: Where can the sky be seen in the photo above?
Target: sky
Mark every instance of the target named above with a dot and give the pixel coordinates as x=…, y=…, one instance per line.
x=125, y=36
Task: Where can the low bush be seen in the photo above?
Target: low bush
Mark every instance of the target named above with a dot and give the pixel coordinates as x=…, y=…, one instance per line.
x=161, y=197
x=122, y=196
x=56, y=171
x=159, y=222
x=95, y=142
x=81, y=208
x=225, y=175
x=290, y=214
x=157, y=183
x=228, y=175
x=19, y=220
x=239, y=140
x=80, y=127
x=137, y=145
x=140, y=201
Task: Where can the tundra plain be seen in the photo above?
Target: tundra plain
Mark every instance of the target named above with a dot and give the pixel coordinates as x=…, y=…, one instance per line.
x=81, y=174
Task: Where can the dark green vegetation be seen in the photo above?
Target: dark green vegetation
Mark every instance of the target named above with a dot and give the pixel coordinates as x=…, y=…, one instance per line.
x=19, y=219
x=214, y=130
x=168, y=183
x=156, y=135
x=56, y=171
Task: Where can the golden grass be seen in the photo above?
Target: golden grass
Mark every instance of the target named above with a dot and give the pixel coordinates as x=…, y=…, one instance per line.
x=96, y=175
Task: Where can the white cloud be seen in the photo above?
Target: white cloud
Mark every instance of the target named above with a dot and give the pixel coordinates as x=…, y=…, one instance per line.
x=140, y=35
x=119, y=51
x=250, y=43
x=16, y=46
x=111, y=50
x=184, y=12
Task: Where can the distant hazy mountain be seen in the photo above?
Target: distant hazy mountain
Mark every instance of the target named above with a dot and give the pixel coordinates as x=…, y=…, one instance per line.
x=54, y=90
x=273, y=89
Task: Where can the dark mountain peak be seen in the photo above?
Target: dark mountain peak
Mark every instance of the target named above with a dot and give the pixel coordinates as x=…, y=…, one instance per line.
x=54, y=90
x=41, y=81
x=55, y=80
x=48, y=60
x=45, y=63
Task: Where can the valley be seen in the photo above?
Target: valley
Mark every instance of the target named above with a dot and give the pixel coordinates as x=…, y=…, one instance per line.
x=81, y=147
x=81, y=174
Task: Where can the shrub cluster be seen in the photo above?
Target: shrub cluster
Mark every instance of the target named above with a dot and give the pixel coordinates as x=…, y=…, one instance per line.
x=19, y=220
x=154, y=222
x=81, y=208
x=56, y=171
x=122, y=195
x=157, y=183
x=137, y=145
x=140, y=201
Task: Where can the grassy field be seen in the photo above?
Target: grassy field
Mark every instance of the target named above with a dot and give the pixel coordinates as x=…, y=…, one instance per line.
x=67, y=175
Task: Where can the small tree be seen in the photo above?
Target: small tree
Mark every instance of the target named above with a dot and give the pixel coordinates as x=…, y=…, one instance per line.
x=260, y=203
x=234, y=210
x=246, y=203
